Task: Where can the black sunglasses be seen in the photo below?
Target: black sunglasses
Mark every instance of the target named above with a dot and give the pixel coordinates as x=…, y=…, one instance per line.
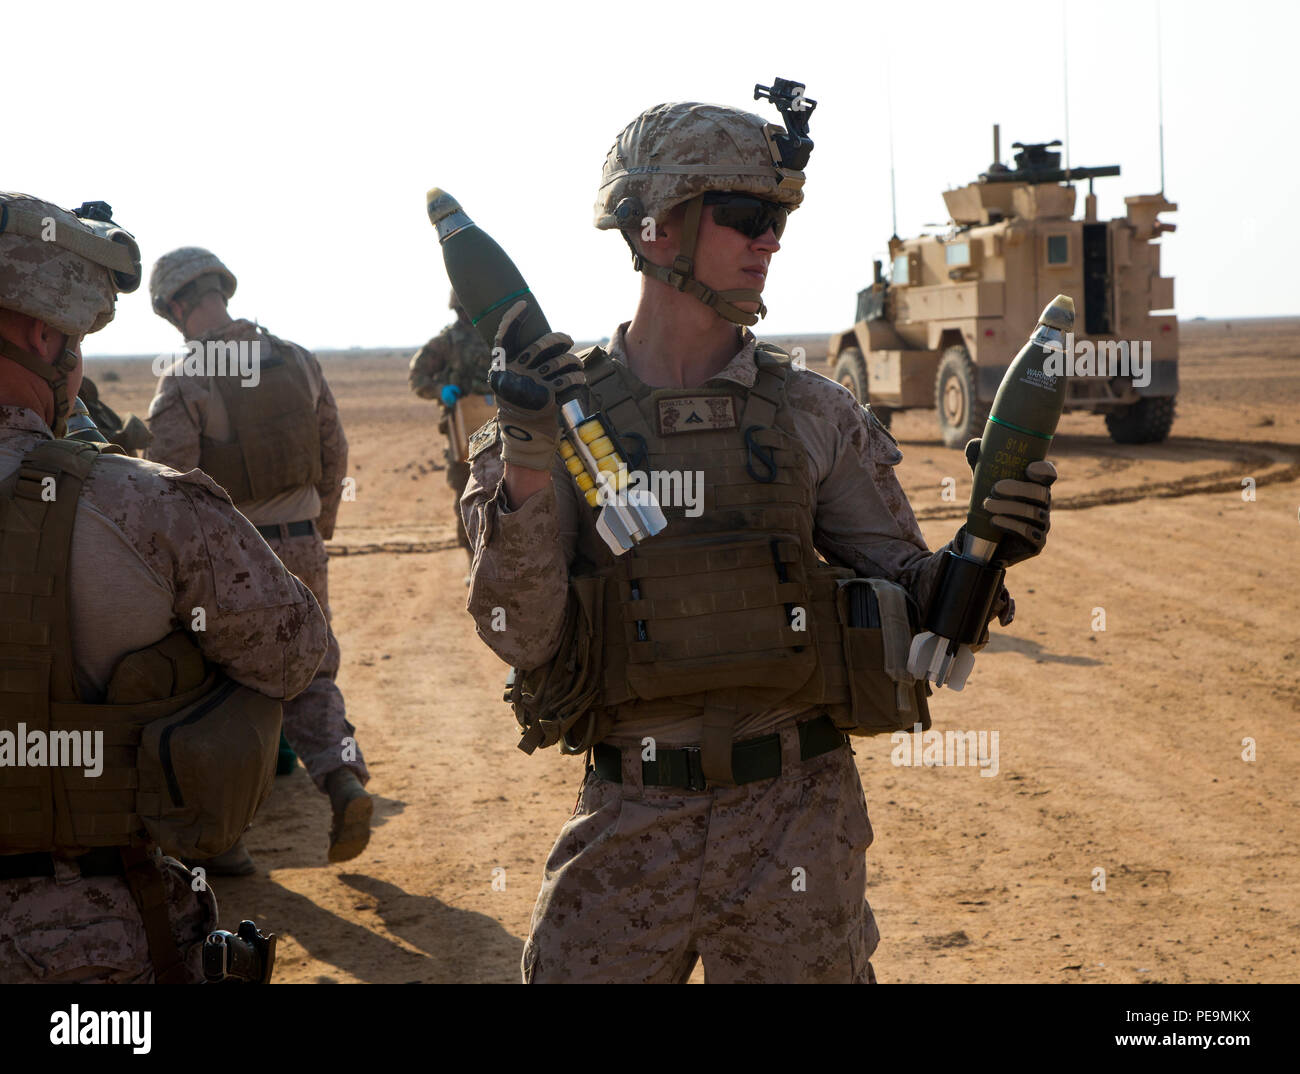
x=747, y=214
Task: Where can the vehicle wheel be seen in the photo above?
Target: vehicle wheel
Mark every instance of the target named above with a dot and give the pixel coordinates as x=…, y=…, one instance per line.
x=1147, y=421
x=851, y=371
x=961, y=414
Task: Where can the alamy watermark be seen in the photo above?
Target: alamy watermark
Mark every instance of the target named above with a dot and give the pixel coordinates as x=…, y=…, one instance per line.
x=670, y=488
x=945, y=749
x=214, y=358
x=75, y=1026
x=52, y=749
x=1105, y=358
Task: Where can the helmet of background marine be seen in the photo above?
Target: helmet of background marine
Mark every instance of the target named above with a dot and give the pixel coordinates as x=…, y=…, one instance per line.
x=176, y=270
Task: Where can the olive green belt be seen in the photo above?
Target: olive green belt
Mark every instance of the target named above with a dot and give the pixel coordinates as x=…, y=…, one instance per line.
x=751, y=760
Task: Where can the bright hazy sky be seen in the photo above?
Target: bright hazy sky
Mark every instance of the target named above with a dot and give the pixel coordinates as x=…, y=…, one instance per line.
x=297, y=141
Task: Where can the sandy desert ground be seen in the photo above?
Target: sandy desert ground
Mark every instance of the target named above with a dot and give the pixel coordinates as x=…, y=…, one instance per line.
x=1119, y=749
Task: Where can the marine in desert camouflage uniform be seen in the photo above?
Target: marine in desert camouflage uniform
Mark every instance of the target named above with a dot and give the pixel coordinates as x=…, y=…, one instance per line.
x=278, y=448
x=453, y=364
x=149, y=546
x=761, y=876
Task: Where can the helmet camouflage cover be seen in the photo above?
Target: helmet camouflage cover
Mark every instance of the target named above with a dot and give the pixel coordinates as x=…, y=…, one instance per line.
x=176, y=269
x=65, y=269
x=673, y=154
x=61, y=268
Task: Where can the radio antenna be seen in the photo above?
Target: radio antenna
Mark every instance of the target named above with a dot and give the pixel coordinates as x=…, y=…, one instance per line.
x=1160, y=95
x=889, y=108
x=1065, y=69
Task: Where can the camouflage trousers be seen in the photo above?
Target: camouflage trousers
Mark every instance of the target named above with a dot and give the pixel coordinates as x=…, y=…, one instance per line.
x=315, y=722
x=764, y=882
x=70, y=929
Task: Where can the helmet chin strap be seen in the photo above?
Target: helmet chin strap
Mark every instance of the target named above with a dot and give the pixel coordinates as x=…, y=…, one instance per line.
x=56, y=375
x=682, y=275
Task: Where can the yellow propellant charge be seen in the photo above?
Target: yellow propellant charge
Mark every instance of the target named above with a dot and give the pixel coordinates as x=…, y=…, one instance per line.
x=605, y=452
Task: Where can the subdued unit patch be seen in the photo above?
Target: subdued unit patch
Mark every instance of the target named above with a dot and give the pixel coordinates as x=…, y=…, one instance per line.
x=694, y=413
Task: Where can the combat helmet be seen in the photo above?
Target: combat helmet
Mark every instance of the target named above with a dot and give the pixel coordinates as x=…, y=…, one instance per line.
x=676, y=153
x=179, y=268
x=64, y=268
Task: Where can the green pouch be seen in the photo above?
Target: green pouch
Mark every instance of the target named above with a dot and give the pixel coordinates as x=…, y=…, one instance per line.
x=189, y=755
x=205, y=770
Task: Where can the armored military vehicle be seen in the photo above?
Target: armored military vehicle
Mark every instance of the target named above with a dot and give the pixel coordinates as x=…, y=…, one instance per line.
x=940, y=329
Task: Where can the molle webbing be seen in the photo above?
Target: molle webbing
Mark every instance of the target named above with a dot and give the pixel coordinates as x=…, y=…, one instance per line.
x=276, y=435
x=731, y=610
x=59, y=807
x=38, y=507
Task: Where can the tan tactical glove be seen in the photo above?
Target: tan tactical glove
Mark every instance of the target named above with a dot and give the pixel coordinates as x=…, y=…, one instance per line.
x=1021, y=509
x=526, y=390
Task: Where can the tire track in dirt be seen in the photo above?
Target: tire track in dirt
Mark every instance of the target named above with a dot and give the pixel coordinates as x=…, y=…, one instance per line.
x=1281, y=463
x=396, y=547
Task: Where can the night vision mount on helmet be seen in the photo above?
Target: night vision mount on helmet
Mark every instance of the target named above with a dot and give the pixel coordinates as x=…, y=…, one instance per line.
x=64, y=268
x=674, y=154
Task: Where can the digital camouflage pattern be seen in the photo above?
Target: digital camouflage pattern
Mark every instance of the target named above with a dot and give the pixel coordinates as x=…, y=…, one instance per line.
x=49, y=282
x=70, y=929
x=315, y=722
x=763, y=882
x=262, y=626
x=642, y=880
x=659, y=160
x=150, y=546
x=862, y=516
x=179, y=415
x=174, y=270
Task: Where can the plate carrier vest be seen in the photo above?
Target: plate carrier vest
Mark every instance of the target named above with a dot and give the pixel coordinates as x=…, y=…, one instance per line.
x=188, y=755
x=731, y=611
x=276, y=443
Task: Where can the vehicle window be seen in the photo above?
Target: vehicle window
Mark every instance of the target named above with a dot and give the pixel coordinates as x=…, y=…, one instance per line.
x=900, y=269
x=957, y=254
x=1058, y=249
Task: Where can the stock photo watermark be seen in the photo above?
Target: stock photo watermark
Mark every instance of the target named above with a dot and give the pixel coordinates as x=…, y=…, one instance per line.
x=1105, y=358
x=945, y=749
x=214, y=358
x=36, y=748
